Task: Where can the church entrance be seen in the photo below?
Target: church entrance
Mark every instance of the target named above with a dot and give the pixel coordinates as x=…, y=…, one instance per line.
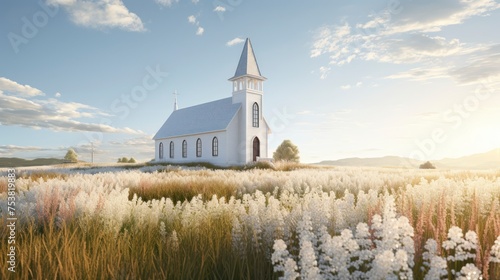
x=256, y=148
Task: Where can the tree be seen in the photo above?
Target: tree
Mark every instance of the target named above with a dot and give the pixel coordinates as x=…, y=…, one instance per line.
x=427, y=165
x=71, y=156
x=287, y=151
x=124, y=160
x=119, y=160
x=131, y=160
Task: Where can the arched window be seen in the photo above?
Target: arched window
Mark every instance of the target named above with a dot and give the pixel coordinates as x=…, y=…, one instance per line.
x=198, y=147
x=160, y=151
x=171, y=149
x=255, y=115
x=215, y=147
x=184, y=149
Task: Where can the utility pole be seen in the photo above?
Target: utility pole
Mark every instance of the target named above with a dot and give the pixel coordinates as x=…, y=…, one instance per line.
x=175, y=100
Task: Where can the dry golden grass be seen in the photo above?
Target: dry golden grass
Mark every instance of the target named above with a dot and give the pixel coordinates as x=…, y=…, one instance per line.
x=91, y=251
x=179, y=190
x=3, y=185
x=45, y=176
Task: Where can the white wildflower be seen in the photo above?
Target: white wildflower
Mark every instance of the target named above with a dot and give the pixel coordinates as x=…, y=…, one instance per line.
x=469, y=272
x=495, y=251
x=163, y=232
x=283, y=262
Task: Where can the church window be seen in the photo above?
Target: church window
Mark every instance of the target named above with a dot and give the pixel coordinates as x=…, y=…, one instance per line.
x=184, y=149
x=171, y=149
x=215, y=147
x=160, y=151
x=198, y=147
x=255, y=122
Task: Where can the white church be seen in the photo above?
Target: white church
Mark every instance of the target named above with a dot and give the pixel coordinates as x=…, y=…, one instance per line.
x=229, y=131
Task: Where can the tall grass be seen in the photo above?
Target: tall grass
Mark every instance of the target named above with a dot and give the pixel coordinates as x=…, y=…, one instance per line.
x=91, y=251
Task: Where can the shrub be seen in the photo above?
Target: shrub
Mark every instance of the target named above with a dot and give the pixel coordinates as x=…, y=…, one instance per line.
x=427, y=165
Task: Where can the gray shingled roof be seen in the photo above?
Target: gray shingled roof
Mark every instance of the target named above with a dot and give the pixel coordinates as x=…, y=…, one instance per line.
x=211, y=116
x=247, y=65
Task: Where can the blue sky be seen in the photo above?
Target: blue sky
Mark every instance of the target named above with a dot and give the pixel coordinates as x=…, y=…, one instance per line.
x=345, y=78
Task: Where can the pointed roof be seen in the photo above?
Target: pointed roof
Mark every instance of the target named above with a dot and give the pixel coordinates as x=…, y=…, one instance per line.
x=248, y=63
x=207, y=117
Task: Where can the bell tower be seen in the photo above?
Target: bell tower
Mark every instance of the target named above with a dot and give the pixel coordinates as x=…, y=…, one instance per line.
x=248, y=89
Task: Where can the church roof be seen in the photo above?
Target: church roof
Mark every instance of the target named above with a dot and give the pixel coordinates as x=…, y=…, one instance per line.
x=207, y=117
x=248, y=63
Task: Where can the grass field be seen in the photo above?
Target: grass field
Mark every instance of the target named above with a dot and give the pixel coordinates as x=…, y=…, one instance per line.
x=169, y=222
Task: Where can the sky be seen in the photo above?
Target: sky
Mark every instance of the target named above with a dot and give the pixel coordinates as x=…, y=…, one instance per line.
x=347, y=78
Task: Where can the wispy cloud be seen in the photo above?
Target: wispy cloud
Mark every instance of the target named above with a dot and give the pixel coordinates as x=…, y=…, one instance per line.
x=14, y=87
x=400, y=36
x=219, y=9
x=16, y=148
x=482, y=66
x=408, y=36
x=101, y=14
x=422, y=73
x=166, y=3
x=235, y=41
x=193, y=20
x=18, y=110
x=348, y=86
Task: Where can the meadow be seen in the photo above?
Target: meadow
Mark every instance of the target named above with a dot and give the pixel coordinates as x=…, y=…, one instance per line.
x=289, y=222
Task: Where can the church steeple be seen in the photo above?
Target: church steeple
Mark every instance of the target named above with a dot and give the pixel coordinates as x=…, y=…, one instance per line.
x=247, y=77
x=248, y=64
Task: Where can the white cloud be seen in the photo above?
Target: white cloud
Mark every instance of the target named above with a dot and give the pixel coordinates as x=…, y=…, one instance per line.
x=58, y=94
x=166, y=3
x=398, y=35
x=101, y=14
x=432, y=16
x=235, y=41
x=345, y=87
x=422, y=73
x=17, y=110
x=15, y=148
x=192, y=19
x=219, y=9
x=482, y=67
x=200, y=31
x=7, y=85
x=324, y=71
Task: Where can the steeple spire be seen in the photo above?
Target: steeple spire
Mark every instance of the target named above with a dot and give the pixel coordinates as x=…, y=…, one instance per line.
x=248, y=64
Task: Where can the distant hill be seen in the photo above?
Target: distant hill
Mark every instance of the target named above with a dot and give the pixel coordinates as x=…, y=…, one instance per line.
x=488, y=160
x=19, y=162
x=388, y=161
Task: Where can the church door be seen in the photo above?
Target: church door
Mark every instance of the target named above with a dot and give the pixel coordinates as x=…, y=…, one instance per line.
x=256, y=148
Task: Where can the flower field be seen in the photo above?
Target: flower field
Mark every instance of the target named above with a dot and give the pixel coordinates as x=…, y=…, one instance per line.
x=159, y=222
